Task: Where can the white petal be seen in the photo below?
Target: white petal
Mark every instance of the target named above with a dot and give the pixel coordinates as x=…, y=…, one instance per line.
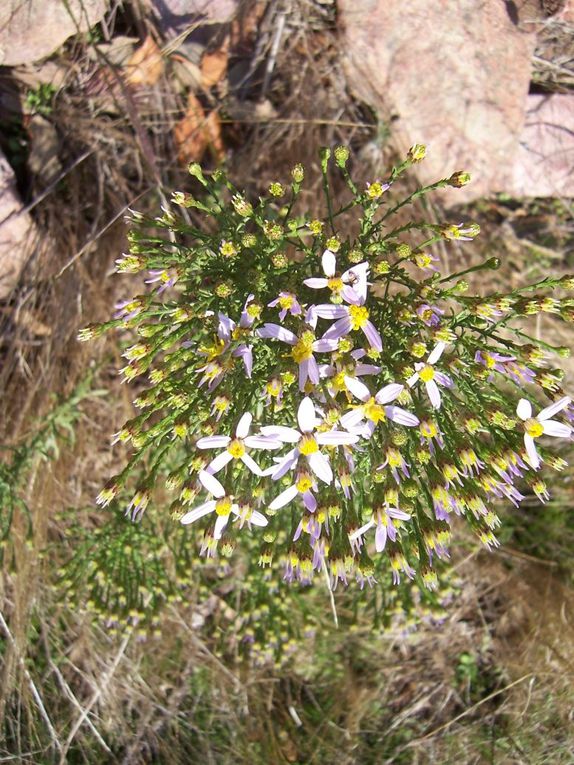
x=531, y=451
x=367, y=369
x=330, y=311
x=319, y=464
x=289, y=461
x=359, y=532
x=315, y=283
x=243, y=425
x=336, y=437
x=219, y=462
x=524, y=409
x=357, y=388
x=213, y=442
x=329, y=263
x=401, y=416
x=352, y=418
x=554, y=408
x=436, y=353
x=557, y=429
x=412, y=380
x=211, y=484
x=282, y=432
x=251, y=464
x=198, y=512
x=284, y=498
x=262, y=442
x=220, y=524
x=433, y=393
x=380, y=537
x=277, y=332
x=306, y=416
x=258, y=519
x=389, y=393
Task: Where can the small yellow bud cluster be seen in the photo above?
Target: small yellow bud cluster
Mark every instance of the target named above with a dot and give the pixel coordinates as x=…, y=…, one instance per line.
x=272, y=231
x=416, y=153
x=333, y=244
x=341, y=155
x=459, y=179
x=298, y=173
x=227, y=249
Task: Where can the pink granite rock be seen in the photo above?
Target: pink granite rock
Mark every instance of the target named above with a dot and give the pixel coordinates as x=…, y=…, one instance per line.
x=455, y=76
x=33, y=29
x=18, y=233
x=544, y=165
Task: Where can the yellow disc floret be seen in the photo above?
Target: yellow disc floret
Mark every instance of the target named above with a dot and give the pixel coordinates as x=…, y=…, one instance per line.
x=223, y=506
x=358, y=315
x=236, y=448
x=304, y=483
x=308, y=445
x=303, y=349
x=373, y=411
x=335, y=284
x=427, y=373
x=533, y=427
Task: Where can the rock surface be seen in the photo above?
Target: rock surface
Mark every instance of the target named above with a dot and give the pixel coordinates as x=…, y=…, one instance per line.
x=175, y=16
x=18, y=234
x=454, y=76
x=33, y=29
x=545, y=158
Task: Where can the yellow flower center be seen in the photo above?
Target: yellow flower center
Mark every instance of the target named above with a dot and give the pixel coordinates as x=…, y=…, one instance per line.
x=358, y=315
x=223, y=506
x=335, y=284
x=489, y=360
x=373, y=411
x=394, y=458
x=339, y=381
x=423, y=260
x=304, y=483
x=308, y=445
x=240, y=332
x=273, y=388
x=213, y=350
x=303, y=349
x=286, y=302
x=221, y=404
x=533, y=427
x=428, y=429
x=236, y=448
x=427, y=373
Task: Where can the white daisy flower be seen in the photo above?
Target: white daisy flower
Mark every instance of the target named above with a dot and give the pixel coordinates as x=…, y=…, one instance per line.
x=303, y=349
x=236, y=448
x=351, y=285
x=374, y=409
x=534, y=427
x=308, y=443
x=430, y=376
x=223, y=506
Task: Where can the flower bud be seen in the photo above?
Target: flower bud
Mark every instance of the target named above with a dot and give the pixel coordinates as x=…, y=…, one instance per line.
x=417, y=152
x=459, y=179
x=341, y=156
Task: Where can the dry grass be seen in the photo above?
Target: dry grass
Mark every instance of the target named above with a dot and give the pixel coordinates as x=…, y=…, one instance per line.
x=490, y=684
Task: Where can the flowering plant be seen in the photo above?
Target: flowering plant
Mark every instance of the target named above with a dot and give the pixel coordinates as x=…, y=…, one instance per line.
x=336, y=397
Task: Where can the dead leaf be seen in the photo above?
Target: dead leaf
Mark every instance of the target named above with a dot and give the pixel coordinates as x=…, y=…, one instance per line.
x=214, y=65
x=195, y=132
x=190, y=134
x=245, y=26
x=214, y=138
x=146, y=65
